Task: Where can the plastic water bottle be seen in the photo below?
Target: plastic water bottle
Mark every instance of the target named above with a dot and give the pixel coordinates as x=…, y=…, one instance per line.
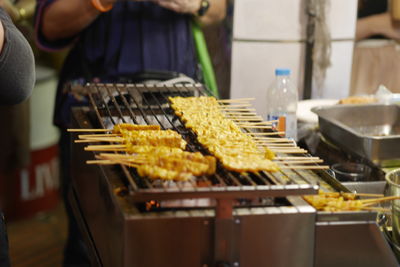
x=282, y=97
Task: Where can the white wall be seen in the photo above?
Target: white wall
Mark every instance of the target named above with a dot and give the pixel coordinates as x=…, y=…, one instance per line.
x=268, y=34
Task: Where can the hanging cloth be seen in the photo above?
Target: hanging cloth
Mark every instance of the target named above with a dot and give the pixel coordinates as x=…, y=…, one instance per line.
x=322, y=49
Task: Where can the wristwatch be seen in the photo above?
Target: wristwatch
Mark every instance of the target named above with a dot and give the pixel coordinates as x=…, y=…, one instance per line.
x=204, y=6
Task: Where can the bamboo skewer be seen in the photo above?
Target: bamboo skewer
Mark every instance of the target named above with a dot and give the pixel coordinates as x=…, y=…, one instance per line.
x=280, y=145
x=380, y=199
x=351, y=194
x=304, y=167
x=289, y=151
x=104, y=139
x=268, y=140
x=365, y=195
x=245, y=119
x=300, y=161
x=293, y=148
x=84, y=136
x=244, y=105
x=271, y=143
x=267, y=143
x=255, y=127
x=110, y=159
x=89, y=130
x=266, y=133
x=106, y=148
x=237, y=109
x=289, y=159
x=241, y=114
x=296, y=158
x=236, y=100
x=101, y=161
x=265, y=138
x=253, y=123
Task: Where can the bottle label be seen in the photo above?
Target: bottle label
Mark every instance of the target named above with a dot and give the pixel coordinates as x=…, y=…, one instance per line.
x=285, y=123
x=278, y=123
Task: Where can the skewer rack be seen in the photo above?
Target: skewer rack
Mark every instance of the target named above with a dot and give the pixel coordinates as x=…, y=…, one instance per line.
x=110, y=104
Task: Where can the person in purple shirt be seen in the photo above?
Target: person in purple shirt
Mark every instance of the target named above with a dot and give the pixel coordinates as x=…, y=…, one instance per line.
x=113, y=41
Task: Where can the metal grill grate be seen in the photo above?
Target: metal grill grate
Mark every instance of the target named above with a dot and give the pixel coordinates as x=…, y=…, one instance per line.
x=145, y=104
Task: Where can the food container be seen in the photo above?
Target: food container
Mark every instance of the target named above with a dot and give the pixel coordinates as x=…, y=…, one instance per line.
x=371, y=131
x=393, y=189
x=351, y=172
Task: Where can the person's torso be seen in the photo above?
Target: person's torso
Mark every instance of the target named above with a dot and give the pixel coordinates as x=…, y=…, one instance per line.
x=131, y=38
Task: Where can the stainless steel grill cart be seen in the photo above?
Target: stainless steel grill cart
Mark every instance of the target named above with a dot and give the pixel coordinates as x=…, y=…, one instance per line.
x=227, y=219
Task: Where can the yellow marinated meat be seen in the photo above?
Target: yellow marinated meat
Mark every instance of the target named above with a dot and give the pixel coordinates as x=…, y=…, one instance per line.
x=134, y=149
x=154, y=138
x=167, y=163
x=156, y=172
x=334, y=201
x=177, y=168
x=176, y=164
x=221, y=136
x=118, y=128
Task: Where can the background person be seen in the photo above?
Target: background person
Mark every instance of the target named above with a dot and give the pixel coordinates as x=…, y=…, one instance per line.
x=376, y=58
x=17, y=78
x=113, y=41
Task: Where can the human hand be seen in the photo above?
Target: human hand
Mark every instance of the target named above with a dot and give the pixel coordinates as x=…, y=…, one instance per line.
x=180, y=6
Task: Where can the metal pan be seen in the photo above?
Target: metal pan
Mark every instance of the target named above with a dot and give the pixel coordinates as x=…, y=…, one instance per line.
x=371, y=131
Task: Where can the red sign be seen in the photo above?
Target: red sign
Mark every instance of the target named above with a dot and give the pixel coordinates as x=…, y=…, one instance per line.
x=34, y=188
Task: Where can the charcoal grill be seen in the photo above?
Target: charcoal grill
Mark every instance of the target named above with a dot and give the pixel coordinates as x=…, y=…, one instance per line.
x=227, y=219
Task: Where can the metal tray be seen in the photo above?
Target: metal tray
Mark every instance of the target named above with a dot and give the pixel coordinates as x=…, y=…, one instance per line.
x=371, y=131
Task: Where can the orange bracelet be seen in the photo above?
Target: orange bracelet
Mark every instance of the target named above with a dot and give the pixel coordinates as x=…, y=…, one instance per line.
x=99, y=6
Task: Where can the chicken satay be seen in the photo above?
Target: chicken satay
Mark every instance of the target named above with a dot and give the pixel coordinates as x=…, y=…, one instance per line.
x=156, y=172
x=147, y=149
x=168, y=159
x=169, y=168
x=221, y=136
x=118, y=128
x=154, y=138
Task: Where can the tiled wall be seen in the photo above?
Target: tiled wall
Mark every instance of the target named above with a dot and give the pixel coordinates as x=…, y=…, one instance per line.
x=268, y=34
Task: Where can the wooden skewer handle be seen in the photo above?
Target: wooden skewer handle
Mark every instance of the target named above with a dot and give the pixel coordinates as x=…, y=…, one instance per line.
x=366, y=195
x=305, y=167
x=89, y=130
x=268, y=133
x=236, y=100
x=299, y=162
x=237, y=109
x=380, y=199
x=297, y=158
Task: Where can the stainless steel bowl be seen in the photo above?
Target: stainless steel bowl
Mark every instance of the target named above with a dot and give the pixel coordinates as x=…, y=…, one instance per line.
x=351, y=172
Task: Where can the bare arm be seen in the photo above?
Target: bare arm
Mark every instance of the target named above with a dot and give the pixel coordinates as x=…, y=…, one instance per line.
x=2, y=5
x=214, y=14
x=376, y=24
x=1, y=36
x=66, y=18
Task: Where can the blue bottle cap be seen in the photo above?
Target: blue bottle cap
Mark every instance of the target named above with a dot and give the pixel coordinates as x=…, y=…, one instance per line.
x=282, y=72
